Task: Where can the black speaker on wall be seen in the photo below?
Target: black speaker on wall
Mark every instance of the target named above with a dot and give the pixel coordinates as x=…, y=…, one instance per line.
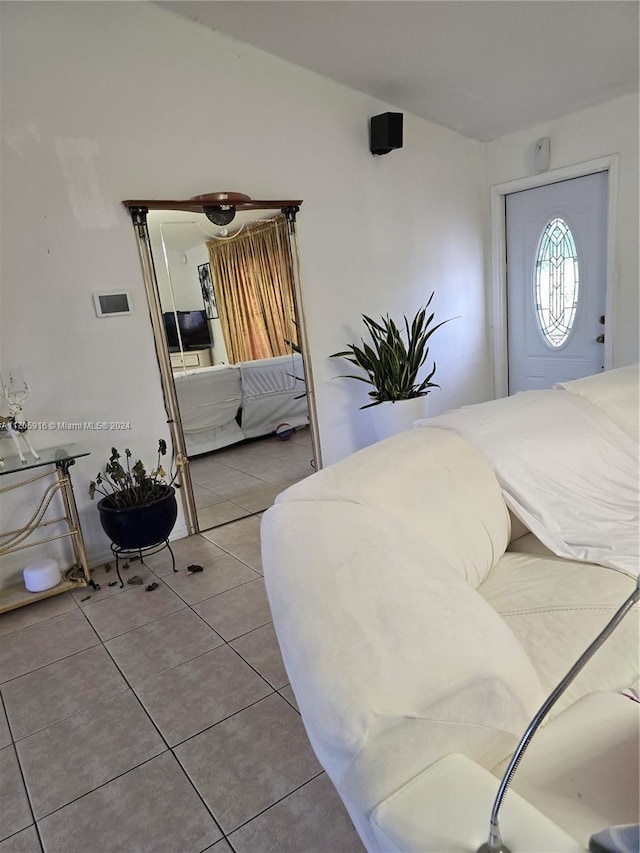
x=385, y=133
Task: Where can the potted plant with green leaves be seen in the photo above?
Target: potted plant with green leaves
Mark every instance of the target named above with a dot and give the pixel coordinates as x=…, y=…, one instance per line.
x=392, y=365
x=138, y=508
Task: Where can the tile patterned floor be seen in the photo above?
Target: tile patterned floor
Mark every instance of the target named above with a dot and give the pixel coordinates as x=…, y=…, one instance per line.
x=242, y=479
x=160, y=721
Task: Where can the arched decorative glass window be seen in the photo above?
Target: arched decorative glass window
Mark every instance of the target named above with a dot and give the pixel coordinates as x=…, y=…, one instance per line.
x=556, y=283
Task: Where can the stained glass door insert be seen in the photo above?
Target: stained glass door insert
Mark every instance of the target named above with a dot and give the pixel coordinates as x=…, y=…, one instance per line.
x=556, y=283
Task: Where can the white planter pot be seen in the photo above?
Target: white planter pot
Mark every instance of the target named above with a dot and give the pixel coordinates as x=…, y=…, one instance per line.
x=390, y=418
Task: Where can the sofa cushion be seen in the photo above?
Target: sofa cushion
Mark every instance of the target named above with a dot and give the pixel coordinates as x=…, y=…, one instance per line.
x=582, y=769
x=527, y=543
x=518, y=529
x=446, y=809
x=555, y=608
x=394, y=659
x=431, y=483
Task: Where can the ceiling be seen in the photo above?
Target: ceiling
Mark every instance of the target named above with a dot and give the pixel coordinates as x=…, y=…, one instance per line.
x=484, y=68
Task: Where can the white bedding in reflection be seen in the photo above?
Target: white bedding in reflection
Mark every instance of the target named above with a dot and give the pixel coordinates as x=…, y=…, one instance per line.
x=208, y=397
x=224, y=404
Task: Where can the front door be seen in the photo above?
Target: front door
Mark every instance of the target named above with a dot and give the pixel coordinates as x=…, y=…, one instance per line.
x=556, y=281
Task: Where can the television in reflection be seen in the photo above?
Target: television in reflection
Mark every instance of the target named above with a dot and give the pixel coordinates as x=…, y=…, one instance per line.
x=193, y=327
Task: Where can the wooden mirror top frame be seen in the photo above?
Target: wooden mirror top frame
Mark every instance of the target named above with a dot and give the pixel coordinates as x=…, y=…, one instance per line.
x=199, y=203
x=213, y=205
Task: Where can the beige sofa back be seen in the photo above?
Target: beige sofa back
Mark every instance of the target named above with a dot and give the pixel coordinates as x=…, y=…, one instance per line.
x=431, y=483
x=394, y=657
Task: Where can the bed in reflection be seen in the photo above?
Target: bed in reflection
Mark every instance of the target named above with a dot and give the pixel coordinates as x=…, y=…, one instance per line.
x=228, y=403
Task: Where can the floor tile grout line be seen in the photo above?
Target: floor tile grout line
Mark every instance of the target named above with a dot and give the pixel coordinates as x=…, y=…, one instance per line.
x=44, y=665
x=102, y=641
x=127, y=588
x=224, y=719
x=231, y=554
x=46, y=619
x=288, y=701
x=69, y=716
x=215, y=525
x=155, y=619
x=272, y=690
x=224, y=838
x=3, y=707
x=14, y=747
x=271, y=805
x=258, y=448
x=233, y=639
x=24, y=829
x=215, y=595
x=50, y=663
x=228, y=643
x=257, y=453
x=164, y=740
x=104, y=784
x=170, y=748
x=251, y=514
x=150, y=622
x=280, y=800
x=225, y=643
x=177, y=666
x=221, y=548
x=262, y=454
x=130, y=688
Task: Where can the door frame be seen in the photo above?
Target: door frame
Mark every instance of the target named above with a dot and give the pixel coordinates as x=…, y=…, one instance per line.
x=498, y=265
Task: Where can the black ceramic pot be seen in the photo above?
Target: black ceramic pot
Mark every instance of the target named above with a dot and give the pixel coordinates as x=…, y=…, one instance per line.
x=140, y=526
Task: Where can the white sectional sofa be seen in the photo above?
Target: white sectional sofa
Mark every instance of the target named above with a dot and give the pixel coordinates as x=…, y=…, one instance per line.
x=227, y=403
x=422, y=625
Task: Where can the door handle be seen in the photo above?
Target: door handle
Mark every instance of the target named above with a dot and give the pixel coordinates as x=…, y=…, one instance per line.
x=600, y=339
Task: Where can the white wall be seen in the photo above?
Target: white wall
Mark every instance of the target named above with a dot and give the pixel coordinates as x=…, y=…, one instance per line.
x=109, y=101
x=195, y=257
x=611, y=128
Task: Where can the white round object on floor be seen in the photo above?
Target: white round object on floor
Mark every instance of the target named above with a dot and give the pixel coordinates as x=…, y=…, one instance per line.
x=41, y=575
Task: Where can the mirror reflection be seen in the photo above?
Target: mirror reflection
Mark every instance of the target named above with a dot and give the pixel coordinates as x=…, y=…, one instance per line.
x=229, y=312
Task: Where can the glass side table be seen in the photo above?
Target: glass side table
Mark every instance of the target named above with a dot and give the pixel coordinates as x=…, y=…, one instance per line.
x=61, y=459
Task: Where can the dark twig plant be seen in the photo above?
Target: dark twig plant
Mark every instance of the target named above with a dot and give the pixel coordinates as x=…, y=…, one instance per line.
x=390, y=365
x=130, y=485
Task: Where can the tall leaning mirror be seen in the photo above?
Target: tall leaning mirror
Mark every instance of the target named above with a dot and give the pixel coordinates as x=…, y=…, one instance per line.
x=222, y=278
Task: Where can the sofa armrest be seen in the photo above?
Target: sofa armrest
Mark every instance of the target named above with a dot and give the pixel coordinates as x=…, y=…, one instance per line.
x=582, y=768
x=446, y=809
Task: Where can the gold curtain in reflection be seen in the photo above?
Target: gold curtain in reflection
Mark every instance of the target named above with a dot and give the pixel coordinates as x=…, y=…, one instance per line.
x=253, y=283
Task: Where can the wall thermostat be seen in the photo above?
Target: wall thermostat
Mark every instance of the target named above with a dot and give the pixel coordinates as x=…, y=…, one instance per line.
x=114, y=303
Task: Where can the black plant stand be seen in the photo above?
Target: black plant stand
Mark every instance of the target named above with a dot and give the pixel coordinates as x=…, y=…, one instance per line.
x=140, y=554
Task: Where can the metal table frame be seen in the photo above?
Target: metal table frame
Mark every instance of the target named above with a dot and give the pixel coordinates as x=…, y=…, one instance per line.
x=15, y=540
